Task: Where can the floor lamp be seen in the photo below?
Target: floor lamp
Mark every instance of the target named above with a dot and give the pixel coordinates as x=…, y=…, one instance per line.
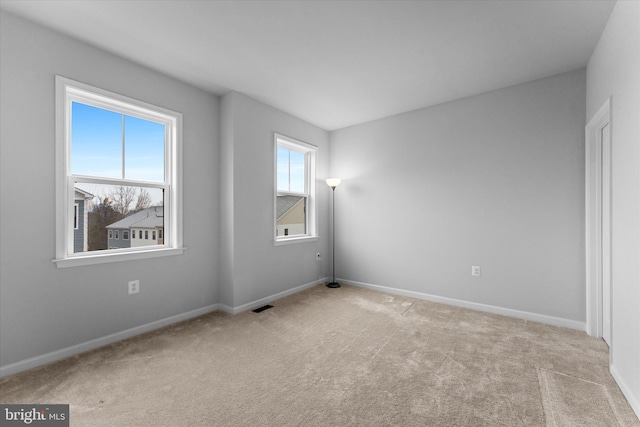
x=333, y=183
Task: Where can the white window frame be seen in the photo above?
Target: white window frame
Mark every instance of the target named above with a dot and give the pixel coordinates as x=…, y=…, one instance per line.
x=310, y=190
x=117, y=237
x=125, y=234
x=68, y=91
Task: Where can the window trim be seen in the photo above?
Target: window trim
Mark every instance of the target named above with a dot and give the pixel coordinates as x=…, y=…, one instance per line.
x=68, y=90
x=310, y=187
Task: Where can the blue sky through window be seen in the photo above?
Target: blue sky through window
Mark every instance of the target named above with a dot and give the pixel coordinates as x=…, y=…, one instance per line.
x=290, y=170
x=96, y=145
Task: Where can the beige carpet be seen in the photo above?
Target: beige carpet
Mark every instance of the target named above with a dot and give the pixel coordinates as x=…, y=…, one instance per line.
x=338, y=357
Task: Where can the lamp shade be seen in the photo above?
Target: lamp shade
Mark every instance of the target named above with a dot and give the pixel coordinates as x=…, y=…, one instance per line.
x=333, y=182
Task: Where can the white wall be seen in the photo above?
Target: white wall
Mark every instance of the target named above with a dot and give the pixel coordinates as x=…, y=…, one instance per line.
x=44, y=309
x=614, y=71
x=253, y=268
x=495, y=180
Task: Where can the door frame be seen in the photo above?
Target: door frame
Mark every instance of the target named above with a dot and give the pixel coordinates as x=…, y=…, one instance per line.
x=593, y=221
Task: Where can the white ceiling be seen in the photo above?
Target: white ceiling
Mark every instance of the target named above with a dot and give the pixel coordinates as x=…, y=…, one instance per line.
x=338, y=63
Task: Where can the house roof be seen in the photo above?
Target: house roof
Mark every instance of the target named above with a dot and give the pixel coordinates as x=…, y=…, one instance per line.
x=152, y=217
x=285, y=203
x=81, y=194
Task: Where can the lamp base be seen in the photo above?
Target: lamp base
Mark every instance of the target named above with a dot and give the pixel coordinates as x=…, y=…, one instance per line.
x=333, y=285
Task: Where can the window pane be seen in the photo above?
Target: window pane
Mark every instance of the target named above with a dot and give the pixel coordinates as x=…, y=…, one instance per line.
x=96, y=141
x=283, y=169
x=291, y=215
x=108, y=212
x=296, y=172
x=290, y=171
x=143, y=149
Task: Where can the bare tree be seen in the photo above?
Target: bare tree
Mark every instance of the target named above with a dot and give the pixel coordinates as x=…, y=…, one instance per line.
x=122, y=198
x=144, y=200
x=101, y=214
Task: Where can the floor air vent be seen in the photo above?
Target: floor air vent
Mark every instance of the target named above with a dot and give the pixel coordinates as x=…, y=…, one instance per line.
x=263, y=308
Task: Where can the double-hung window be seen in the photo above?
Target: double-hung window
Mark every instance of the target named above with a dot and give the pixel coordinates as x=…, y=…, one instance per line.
x=295, y=205
x=123, y=157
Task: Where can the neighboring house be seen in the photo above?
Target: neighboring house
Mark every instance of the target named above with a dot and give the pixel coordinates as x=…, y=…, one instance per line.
x=290, y=214
x=80, y=220
x=143, y=228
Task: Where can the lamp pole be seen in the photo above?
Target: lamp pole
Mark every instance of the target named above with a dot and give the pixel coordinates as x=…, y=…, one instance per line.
x=333, y=183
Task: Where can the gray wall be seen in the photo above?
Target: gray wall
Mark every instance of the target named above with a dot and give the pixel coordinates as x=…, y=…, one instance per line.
x=614, y=71
x=42, y=308
x=495, y=180
x=252, y=267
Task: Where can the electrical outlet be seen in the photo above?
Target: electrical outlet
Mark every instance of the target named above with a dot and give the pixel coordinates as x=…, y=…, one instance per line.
x=134, y=287
x=318, y=256
x=475, y=270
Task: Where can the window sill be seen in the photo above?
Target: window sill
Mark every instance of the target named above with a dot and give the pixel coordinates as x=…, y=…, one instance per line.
x=295, y=240
x=78, y=261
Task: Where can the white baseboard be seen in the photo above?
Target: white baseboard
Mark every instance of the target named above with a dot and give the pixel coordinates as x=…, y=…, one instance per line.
x=56, y=355
x=262, y=301
x=118, y=336
x=226, y=308
x=633, y=400
x=534, y=317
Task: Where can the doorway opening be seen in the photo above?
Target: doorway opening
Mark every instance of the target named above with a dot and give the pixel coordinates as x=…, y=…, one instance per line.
x=598, y=224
